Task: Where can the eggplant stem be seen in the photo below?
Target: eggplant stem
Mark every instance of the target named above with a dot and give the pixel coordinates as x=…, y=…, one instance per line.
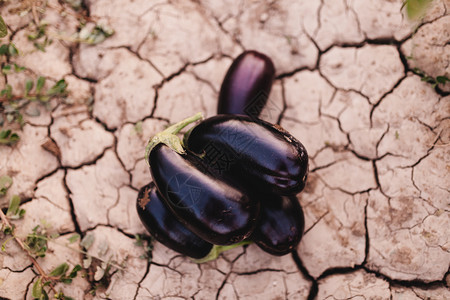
x=217, y=250
x=169, y=136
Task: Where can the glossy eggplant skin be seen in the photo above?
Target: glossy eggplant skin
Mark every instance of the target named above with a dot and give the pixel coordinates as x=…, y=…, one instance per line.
x=212, y=209
x=252, y=151
x=247, y=84
x=281, y=224
x=162, y=224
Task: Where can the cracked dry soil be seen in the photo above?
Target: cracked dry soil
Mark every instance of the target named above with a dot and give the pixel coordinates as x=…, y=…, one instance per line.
x=376, y=204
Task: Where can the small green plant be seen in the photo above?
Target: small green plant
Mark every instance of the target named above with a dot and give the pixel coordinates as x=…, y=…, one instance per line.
x=3, y=28
x=61, y=273
x=95, y=35
x=10, y=68
x=7, y=137
x=431, y=80
x=416, y=9
x=14, y=211
x=36, y=241
x=57, y=90
x=8, y=49
x=137, y=129
x=58, y=274
x=5, y=183
x=75, y=237
x=147, y=245
x=15, y=104
x=6, y=92
x=40, y=38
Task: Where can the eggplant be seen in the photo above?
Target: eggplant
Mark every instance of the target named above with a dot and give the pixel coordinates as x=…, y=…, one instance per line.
x=251, y=151
x=281, y=224
x=247, y=84
x=162, y=224
x=212, y=209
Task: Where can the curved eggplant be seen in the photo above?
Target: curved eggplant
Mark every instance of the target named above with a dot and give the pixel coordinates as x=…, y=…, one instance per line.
x=162, y=224
x=247, y=84
x=210, y=208
x=281, y=224
x=252, y=151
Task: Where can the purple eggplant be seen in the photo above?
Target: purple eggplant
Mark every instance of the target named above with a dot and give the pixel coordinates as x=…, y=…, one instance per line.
x=281, y=224
x=212, y=209
x=247, y=84
x=253, y=152
x=162, y=224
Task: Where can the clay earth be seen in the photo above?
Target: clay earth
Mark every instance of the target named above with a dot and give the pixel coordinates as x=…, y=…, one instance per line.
x=376, y=204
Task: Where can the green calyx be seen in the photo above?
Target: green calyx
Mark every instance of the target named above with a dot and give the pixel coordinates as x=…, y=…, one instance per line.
x=217, y=250
x=169, y=136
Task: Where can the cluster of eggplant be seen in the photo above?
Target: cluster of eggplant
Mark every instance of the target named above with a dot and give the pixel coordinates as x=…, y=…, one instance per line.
x=234, y=177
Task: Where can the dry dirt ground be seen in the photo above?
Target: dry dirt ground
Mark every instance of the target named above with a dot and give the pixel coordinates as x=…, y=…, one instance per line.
x=377, y=200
